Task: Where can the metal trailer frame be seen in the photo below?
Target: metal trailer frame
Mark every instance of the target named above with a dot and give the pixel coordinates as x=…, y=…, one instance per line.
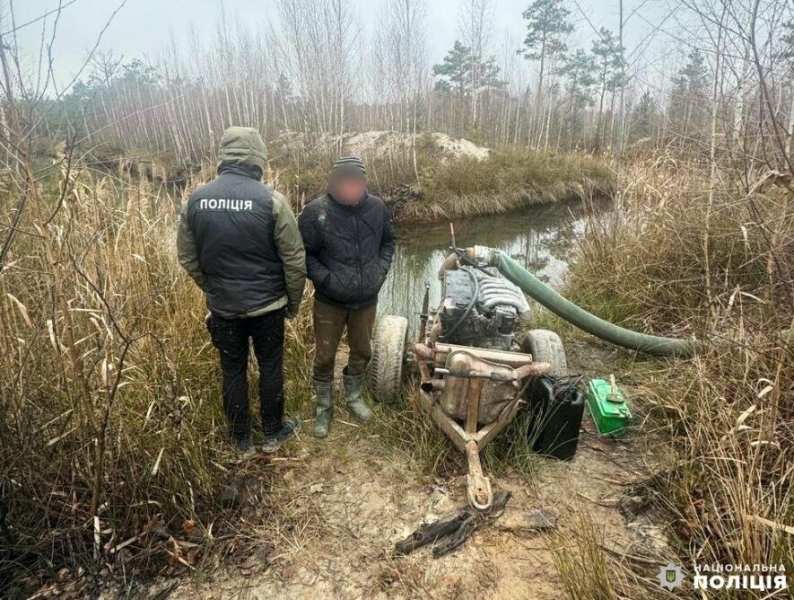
x=470, y=372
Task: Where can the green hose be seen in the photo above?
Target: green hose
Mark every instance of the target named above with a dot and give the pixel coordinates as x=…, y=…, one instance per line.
x=596, y=326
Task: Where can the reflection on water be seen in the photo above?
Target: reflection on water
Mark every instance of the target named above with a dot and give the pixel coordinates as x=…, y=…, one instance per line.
x=540, y=238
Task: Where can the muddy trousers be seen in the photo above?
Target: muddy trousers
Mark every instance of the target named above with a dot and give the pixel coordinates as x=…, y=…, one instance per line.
x=231, y=338
x=329, y=324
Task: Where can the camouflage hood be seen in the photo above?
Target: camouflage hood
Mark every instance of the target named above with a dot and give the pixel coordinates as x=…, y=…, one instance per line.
x=242, y=150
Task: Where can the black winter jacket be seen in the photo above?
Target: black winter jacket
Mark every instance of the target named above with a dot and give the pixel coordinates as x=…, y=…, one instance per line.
x=349, y=249
x=238, y=238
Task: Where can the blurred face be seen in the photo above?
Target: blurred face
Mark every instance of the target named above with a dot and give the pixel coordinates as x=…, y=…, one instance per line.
x=349, y=190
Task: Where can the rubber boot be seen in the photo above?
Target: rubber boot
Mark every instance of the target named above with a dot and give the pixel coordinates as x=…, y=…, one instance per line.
x=324, y=398
x=354, y=395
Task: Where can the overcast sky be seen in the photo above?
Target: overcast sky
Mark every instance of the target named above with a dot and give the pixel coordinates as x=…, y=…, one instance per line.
x=143, y=27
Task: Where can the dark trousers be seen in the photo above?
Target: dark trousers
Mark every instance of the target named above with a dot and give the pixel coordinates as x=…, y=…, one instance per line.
x=231, y=338
x=329, y=324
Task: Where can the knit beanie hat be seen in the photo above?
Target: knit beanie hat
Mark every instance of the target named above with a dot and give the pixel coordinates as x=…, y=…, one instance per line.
x=349, y=166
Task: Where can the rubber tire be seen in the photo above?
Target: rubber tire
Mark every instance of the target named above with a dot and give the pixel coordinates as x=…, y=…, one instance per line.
x=386, y=366
x=546, y=346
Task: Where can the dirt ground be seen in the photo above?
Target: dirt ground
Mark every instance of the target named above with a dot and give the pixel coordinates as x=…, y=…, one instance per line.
x=347, y=500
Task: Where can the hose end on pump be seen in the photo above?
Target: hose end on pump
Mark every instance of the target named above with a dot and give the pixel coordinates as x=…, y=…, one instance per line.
x=483, y=255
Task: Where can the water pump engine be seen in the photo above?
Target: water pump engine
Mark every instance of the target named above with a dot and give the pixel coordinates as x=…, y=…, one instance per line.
x=480, y=309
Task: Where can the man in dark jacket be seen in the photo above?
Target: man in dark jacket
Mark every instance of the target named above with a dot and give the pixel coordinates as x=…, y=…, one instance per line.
x=349, y=242
x=239, y=241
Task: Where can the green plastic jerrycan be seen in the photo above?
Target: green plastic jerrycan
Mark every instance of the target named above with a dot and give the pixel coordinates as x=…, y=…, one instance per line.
x=608, y=407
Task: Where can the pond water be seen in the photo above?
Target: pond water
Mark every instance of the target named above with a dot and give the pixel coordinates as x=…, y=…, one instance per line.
x=540, y=238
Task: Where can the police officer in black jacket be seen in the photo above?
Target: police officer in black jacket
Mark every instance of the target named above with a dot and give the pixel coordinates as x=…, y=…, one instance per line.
x=349, y=241
x=239, y=241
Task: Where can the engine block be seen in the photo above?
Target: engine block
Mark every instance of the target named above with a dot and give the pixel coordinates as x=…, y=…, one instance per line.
x=480, y=310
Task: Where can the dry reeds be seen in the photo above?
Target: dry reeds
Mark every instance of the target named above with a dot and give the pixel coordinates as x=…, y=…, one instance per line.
x=719, y=266
x=112, y=435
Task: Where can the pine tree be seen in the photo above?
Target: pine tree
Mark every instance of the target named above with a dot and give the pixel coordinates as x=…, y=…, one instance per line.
x=578, y=70
x=138, y=73
x=689, y=97
x=609, y=58
x=455, y=72
x=643, y=117
x=547, y=25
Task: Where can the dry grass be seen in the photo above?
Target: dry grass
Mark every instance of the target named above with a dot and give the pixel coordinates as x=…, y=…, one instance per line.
x=515, y=178
x=408, y=430
x=435, y=188
x=110, y=422
x=581, y=562
x=721, y=267
x=589, y=569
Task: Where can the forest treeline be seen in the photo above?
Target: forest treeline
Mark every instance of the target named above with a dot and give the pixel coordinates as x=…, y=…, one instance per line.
x=312, y=68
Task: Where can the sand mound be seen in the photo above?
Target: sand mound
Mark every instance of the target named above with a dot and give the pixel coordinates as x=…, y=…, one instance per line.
x=379, y=143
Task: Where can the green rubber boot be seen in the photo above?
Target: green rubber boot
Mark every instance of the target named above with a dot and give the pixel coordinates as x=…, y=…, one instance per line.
x=354, y=394
x=324, y=398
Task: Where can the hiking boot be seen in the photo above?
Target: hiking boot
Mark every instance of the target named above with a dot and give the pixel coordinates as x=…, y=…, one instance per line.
x=324, y=398
x=243, y=446
x=289, y=427
x=354, y=392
